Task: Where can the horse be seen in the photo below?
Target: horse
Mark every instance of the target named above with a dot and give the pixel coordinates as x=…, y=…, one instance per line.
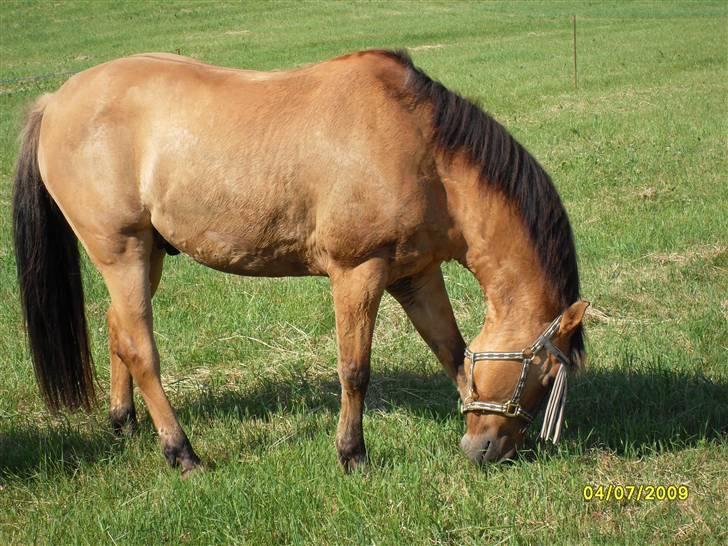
x=361, y=168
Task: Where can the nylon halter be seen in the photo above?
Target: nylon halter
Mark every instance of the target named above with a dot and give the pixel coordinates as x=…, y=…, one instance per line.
x=512, y=408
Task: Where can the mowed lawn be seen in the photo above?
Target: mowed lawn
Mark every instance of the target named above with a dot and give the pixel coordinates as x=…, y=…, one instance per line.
x=638, y=153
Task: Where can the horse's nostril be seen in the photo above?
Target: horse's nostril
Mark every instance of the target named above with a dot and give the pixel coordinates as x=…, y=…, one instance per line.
x=485, y=450
x=490, y=452
x=509, y=455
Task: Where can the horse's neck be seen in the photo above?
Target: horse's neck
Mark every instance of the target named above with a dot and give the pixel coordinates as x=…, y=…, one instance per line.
x=498, y=251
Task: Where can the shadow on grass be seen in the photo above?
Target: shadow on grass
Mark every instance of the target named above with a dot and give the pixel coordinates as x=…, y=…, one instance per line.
x=26, y=451
x=427, y=395
x=628, y=410
x=634, y=412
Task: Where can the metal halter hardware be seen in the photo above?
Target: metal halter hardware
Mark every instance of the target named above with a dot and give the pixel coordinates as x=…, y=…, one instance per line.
x=512, y=408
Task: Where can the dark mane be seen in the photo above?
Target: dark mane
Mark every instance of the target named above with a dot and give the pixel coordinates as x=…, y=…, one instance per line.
x=460, y=125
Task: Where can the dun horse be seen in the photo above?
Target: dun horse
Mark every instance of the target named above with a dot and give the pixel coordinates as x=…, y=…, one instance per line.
x=361, y=168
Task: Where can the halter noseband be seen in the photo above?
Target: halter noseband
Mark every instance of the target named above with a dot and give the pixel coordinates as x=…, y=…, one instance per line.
x=557, y=399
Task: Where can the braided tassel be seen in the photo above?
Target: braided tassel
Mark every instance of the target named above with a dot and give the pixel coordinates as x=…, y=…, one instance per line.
x=554, y=417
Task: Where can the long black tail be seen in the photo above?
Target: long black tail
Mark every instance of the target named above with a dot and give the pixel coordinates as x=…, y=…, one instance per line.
x=51, y=292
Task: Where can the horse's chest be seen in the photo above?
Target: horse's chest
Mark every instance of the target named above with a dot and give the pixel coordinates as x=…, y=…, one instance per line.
x=408, y=232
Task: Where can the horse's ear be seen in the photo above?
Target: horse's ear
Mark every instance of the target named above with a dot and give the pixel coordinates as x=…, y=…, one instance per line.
x=572, y=317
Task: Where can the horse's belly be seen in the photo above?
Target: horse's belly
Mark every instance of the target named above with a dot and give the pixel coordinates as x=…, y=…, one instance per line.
x=262, y=262
x=241, y=249
x=241, y=221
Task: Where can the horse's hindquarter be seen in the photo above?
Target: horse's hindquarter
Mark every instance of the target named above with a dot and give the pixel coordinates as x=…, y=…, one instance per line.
x=268, y=174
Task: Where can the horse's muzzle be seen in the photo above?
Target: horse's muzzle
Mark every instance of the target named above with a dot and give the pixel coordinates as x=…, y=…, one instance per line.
x=483, y=448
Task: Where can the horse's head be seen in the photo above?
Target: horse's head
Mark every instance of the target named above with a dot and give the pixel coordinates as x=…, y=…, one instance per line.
x=508, y=373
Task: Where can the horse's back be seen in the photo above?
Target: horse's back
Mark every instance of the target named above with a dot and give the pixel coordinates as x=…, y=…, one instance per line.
x=251, y=172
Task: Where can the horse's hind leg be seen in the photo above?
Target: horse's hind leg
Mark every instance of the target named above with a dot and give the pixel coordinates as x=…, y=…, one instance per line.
x=122, y=412
x=424, y=299
x=357, y=293
x=127, y=277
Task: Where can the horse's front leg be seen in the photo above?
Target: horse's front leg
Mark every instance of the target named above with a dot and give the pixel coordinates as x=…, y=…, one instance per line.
x=357, y=293
x=424, y=299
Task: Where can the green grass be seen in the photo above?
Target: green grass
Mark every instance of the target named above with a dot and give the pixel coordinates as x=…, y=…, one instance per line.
x=638, y=153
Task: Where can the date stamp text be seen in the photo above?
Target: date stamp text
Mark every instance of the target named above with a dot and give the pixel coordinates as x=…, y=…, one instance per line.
x=635, y=493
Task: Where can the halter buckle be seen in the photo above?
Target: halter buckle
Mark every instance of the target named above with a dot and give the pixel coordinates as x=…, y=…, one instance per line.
x=511, y=409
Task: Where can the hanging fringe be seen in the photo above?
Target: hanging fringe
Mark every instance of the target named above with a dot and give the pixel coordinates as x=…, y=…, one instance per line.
x=553, y=419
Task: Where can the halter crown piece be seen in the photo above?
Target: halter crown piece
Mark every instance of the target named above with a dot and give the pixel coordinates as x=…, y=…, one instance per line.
x=554, y=417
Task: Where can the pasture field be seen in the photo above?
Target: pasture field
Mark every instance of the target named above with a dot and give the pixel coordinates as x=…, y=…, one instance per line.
x=638, y=154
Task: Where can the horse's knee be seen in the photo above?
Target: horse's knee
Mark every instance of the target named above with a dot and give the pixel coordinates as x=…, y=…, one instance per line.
x=354, y=376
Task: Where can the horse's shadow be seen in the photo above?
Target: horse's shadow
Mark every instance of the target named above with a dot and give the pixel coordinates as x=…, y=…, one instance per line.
x=431, y=395
x=628, y=411
x=57, y=445
x=636, y=412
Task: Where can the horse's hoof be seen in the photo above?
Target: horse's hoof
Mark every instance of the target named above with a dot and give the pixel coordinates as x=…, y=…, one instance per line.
x=191, y=470
x=354, y=463
x=123, y=422
x=182, y=455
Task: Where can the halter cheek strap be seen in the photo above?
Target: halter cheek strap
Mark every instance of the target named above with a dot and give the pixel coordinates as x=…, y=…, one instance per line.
x=553, y=419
